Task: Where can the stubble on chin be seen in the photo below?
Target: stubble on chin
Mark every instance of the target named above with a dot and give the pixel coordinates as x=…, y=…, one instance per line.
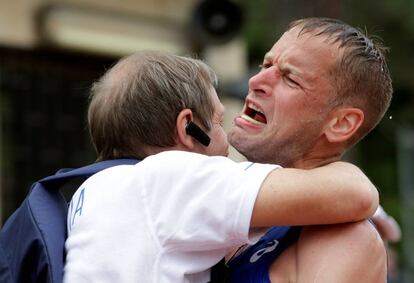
x=238, y=141
x=253, y=147
x=232, y=136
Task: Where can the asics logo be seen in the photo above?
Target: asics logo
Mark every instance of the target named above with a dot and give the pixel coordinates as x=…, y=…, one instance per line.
x=271, y=246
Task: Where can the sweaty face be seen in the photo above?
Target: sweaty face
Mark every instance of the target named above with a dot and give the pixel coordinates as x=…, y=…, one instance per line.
x=218, y=138
x=285, y=110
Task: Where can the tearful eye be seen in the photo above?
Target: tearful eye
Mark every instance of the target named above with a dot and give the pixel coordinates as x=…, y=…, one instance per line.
x=291, y=82
x=265, y=65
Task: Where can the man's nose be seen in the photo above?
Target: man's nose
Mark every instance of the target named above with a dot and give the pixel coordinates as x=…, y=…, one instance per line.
x=262, y=82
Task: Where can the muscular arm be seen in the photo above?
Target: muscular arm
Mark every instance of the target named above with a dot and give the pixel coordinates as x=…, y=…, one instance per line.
x=343, y=253
x=335, y=193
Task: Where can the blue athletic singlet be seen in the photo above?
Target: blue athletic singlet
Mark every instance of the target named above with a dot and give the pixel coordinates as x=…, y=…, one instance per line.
x=252, y=265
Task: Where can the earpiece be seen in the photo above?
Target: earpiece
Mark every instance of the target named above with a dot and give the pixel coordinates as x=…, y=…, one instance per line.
x=197, y=133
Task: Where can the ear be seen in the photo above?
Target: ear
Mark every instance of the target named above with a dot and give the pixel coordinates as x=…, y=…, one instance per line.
x=183, y=139
x=343, y=124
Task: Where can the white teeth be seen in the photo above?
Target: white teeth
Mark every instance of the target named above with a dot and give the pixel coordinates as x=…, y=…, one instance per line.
x=244, y=108
x=255, y=107
x=248, y=118
x=251, y=120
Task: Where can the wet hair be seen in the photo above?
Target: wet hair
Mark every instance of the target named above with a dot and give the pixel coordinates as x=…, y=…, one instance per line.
x=134, y=106
x=360, y=77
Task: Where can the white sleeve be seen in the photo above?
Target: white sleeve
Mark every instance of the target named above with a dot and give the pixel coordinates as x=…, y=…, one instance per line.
x=199, y=202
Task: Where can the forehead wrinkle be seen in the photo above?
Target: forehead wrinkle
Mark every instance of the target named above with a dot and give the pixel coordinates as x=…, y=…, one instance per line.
x=292, y=49
x=291, y=65
x=288, y=67
x=307, y=80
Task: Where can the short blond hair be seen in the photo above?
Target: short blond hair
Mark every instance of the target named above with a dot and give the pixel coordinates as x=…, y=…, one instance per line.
x=361, y=77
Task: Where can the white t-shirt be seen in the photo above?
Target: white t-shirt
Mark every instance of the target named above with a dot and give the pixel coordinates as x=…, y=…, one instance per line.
x=169, y=218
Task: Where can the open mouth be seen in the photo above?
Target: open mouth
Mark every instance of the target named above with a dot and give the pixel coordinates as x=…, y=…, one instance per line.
x=253, y=114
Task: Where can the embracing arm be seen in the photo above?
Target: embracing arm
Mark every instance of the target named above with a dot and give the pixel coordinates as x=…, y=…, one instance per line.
x=335, y=193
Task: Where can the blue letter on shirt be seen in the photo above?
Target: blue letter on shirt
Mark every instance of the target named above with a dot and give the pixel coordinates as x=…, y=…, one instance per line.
x=79, y=205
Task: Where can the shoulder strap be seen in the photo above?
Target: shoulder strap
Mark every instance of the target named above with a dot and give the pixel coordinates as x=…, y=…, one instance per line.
x=64, y=175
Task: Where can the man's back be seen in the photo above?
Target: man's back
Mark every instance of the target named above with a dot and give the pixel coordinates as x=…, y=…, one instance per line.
x=172, y=217
x=102, y=213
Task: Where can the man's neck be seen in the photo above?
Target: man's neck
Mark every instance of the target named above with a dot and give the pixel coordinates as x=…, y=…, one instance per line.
x=313, y=162
x=321, y=154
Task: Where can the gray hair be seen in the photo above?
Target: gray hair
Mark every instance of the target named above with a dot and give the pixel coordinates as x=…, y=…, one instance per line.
x=136, y=103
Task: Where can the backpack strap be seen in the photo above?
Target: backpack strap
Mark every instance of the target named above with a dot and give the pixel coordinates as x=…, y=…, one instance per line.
x=64, y=175
x=32, y=239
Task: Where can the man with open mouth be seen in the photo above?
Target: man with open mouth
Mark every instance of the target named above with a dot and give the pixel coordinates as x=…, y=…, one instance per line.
x=322, y=87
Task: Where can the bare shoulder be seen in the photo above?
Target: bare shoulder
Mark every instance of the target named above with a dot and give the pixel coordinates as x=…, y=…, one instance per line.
x=351, y=252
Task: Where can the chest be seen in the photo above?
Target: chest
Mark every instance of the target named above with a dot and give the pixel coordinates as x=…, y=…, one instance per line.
x=284, y=269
